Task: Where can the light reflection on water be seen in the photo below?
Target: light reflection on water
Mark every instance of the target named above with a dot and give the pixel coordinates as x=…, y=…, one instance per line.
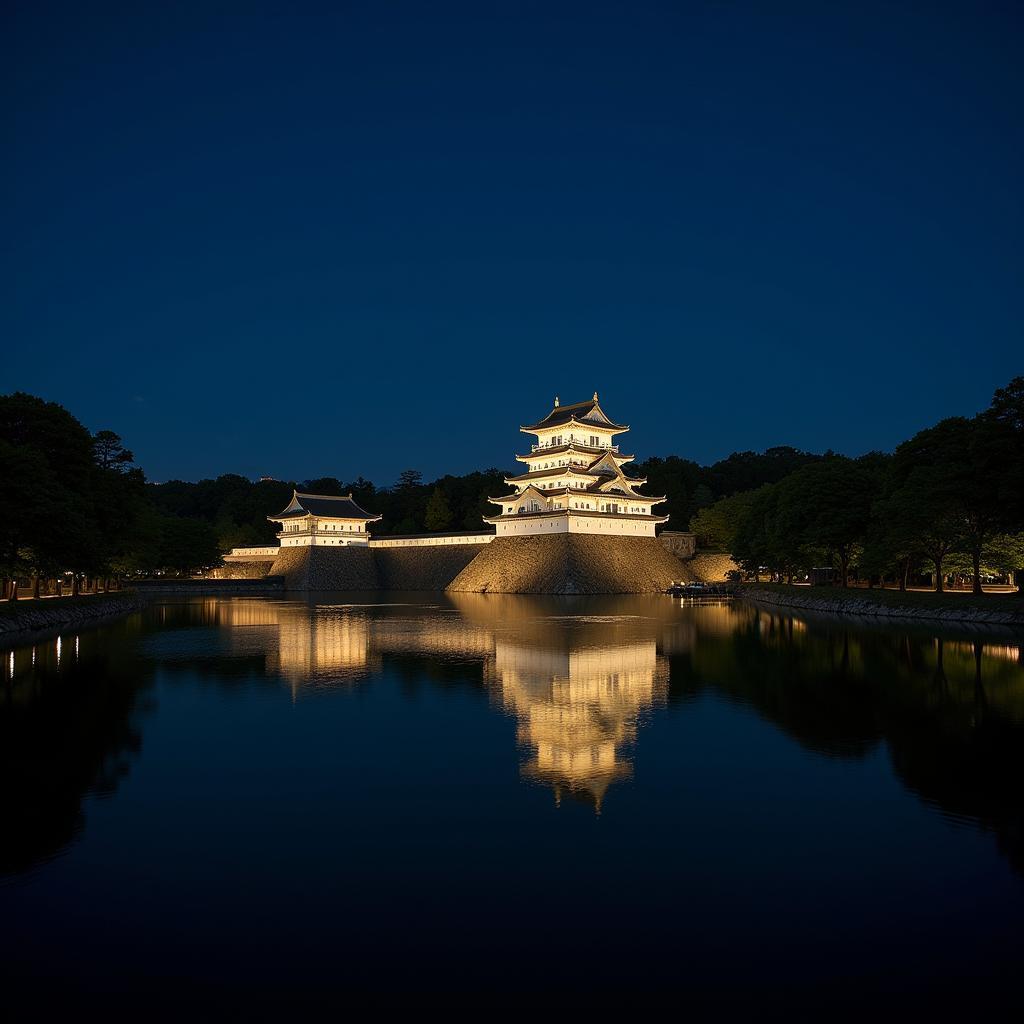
x=713, y=731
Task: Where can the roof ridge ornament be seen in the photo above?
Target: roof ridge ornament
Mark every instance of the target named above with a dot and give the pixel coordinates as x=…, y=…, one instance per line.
x=595, y=396
x=556, y=401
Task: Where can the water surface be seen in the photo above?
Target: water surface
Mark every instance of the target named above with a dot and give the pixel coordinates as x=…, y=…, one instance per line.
x=268, y=804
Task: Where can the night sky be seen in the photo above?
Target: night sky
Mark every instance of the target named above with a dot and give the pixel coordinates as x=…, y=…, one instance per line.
x=347, y=239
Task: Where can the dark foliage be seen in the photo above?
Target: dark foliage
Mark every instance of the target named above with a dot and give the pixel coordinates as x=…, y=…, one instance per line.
x=72, y=500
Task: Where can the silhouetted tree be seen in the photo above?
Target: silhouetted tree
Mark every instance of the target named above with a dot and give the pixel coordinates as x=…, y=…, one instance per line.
x=109, y=452
x=438, y=514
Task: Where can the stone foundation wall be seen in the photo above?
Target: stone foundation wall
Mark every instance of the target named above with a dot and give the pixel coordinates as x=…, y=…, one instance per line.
x=423, y=568
x=560, y=564
x=241, y=570
x=324, y=568
x=710, y=567
x=571, y=564
x=360, y=568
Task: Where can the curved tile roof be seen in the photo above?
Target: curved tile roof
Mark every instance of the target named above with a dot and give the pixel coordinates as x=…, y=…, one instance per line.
x=327, y=506
x=579, y=411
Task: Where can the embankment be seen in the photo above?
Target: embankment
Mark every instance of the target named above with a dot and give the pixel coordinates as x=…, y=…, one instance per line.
x=711, y=566
x=557, y=564
x=316, y=568
x=571, y=564
x=363, y=568
x=996, y=609
x=23, y=619
x=423, y=568
x=255, y=570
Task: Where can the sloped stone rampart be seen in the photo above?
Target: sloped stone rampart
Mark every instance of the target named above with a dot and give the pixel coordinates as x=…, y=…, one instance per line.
x=559, y=564
x=326, y=568
x=711, y=567
x=571, y=564
x=361, y=568
x=423, y=568
x=242, y=570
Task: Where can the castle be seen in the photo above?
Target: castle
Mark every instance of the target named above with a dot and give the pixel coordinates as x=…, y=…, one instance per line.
x=574, y=522
x=574, y=481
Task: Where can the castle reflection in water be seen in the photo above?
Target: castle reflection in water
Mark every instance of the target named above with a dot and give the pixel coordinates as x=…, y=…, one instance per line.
x=578, y=683
x=580, y=677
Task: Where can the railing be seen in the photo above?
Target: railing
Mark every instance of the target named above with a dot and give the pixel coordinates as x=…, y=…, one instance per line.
x=322, y=532
x=579, y=444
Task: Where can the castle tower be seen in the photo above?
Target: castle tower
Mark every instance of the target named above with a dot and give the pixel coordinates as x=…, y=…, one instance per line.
x=321, y=520
x=574, y=481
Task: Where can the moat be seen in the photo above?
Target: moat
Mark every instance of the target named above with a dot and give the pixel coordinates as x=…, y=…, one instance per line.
x=256, y=802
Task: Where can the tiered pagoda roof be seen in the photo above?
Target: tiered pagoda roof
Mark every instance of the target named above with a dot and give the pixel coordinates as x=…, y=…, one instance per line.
x=577, y=470
x=594, y=473
x=586, y=414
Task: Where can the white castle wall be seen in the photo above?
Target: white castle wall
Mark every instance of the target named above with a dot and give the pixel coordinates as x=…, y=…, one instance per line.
x=320, y=540
x=265, y=553
x=532, y=526
x=432, y=540
x=429, y=540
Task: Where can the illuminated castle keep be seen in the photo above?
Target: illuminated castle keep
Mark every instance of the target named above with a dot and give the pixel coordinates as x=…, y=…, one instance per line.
x=574, y=481
x=318, y=520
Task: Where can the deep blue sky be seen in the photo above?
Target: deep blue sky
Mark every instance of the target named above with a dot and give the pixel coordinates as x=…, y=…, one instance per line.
x=350, y=238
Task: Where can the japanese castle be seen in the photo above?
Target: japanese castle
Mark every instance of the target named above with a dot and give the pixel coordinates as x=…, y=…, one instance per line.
x=574, y=481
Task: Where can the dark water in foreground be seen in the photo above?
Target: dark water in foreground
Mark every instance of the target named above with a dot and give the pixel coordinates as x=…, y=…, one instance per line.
x=259, y=805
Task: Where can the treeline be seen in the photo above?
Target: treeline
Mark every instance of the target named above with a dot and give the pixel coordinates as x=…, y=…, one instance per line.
x=75, y=502
x=948, y=501
x=237, y=508
x=950, y=497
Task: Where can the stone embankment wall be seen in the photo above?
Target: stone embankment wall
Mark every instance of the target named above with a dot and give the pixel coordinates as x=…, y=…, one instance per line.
x=361, y=568
x=560, y=564
x=351, y=567
x=24, y=618
x=711, y=567
x=423, y=568
x=571, y=564
x=863, y=606
x=242, y=570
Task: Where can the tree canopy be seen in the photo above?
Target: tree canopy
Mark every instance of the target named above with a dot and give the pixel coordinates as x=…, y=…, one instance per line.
x=952, y=495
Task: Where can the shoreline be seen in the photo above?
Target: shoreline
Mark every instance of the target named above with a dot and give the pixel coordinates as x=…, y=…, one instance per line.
x=30, y=617
x=860, y=604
